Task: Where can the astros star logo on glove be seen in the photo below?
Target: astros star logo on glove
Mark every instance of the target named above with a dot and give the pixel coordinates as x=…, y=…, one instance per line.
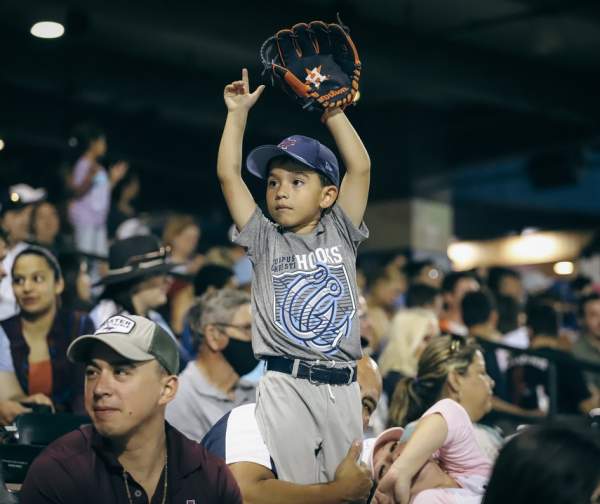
x=314, y=76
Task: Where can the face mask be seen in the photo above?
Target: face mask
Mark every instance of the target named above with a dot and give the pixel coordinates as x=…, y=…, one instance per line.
x=240, y=356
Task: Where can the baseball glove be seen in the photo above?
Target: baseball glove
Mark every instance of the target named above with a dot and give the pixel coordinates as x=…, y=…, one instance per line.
x=316, y=63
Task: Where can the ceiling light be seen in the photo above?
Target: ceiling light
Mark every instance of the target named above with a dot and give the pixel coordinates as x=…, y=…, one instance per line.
x=47, y=30
x=564, y=268
x=2, y=144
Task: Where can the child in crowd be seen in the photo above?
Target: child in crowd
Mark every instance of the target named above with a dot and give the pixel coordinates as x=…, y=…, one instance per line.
x=304, y=295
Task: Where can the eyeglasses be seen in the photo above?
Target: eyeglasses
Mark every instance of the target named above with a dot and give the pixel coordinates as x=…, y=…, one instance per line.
x=247, y=328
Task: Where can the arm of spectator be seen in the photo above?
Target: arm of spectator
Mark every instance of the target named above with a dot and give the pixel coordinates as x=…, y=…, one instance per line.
x=259, y=486
x=117, y=172
x=9, y=410
x=512, y=409
x=429, y=436
x=82, y=179
x=9, y=386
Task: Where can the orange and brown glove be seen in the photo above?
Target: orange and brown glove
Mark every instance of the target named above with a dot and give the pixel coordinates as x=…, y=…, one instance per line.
x=316, y=63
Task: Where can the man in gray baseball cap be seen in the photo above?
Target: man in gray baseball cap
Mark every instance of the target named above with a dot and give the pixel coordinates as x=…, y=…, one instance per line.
x=135, y=338
x=130, y=452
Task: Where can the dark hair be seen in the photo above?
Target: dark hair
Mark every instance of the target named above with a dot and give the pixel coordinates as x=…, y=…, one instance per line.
x=580, y=282
x=553, y=464
x=413, y=269
x=121, y=293
x=508, y=313
x=496, y=274
x=211, y=275
x=477, y=307
x=297, y=165
x=413, y=396
x=451, y=280
x=421, y=295
x=45, y=254
x=373, y=275
x=542, y=319
x=82, y=137
x=3, y=235
x=590, y=298
x=71, y=267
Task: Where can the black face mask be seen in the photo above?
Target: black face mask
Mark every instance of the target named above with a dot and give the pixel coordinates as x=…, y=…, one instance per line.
x=240, y=356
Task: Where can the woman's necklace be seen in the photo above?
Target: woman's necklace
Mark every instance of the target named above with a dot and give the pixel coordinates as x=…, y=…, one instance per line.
x=165, y=486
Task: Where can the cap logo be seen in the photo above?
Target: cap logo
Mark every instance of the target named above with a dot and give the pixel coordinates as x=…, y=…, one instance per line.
x=116, y=324
x=288, y=142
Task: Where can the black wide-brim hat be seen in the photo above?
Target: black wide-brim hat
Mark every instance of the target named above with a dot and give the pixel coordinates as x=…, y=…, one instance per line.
x=136, y=257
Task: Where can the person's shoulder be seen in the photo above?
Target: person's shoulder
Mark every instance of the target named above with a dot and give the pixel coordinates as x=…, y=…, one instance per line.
x=69, y=450
x=448, y=408
x=197, y=456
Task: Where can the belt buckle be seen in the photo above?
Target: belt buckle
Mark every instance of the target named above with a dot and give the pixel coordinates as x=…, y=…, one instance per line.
x=310, y=371
x=352, y=371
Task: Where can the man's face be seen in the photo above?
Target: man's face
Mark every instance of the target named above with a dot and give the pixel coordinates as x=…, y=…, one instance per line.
x=591, y=319
x=121, y=396
x=16, y=224
x=240, y=327
x=370, y=383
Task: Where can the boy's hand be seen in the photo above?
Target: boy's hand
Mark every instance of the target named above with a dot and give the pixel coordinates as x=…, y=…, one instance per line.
x=237, y=95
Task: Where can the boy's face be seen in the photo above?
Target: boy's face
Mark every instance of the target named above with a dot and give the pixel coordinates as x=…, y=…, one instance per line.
x=295, y=196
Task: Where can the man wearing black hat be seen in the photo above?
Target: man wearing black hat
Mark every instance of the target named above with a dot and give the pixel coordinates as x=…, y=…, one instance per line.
x=129, y=455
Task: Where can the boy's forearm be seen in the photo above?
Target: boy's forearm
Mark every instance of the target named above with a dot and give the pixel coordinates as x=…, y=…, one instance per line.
x=353, y=152
x=429, y=436
x=229, y=161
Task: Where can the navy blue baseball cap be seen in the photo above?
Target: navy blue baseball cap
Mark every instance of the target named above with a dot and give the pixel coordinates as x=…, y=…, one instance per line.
x=308, y=151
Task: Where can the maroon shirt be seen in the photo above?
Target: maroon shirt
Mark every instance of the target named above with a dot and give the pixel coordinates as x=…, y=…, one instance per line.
x=78, y=468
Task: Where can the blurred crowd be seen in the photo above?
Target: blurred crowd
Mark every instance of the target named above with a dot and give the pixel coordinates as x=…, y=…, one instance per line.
x=427, y=334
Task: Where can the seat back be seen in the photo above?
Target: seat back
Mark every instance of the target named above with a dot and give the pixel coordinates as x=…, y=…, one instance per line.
x=15, y=460
x=43, y=428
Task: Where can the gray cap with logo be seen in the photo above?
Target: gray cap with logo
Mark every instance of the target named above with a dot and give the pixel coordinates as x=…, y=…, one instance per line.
x=135, y=338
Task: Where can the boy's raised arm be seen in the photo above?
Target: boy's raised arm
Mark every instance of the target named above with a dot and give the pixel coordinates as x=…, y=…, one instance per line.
x=354, y=189
x=239, y=101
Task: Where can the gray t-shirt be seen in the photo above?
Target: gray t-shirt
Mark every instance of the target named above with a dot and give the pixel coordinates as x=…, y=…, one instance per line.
x=198, y=404
x=304, y=294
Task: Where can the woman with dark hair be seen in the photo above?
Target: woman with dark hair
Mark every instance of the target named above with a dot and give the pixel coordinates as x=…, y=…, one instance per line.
x=553, y=464
x=39, y=335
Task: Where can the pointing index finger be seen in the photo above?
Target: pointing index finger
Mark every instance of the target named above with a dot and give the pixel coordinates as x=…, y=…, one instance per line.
x=245, y=80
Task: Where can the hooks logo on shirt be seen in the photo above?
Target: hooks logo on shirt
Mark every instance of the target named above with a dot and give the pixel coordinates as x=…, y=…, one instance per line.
x=315, y=307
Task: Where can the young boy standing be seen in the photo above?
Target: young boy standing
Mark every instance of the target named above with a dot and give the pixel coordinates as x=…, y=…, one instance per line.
x=304, y=295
